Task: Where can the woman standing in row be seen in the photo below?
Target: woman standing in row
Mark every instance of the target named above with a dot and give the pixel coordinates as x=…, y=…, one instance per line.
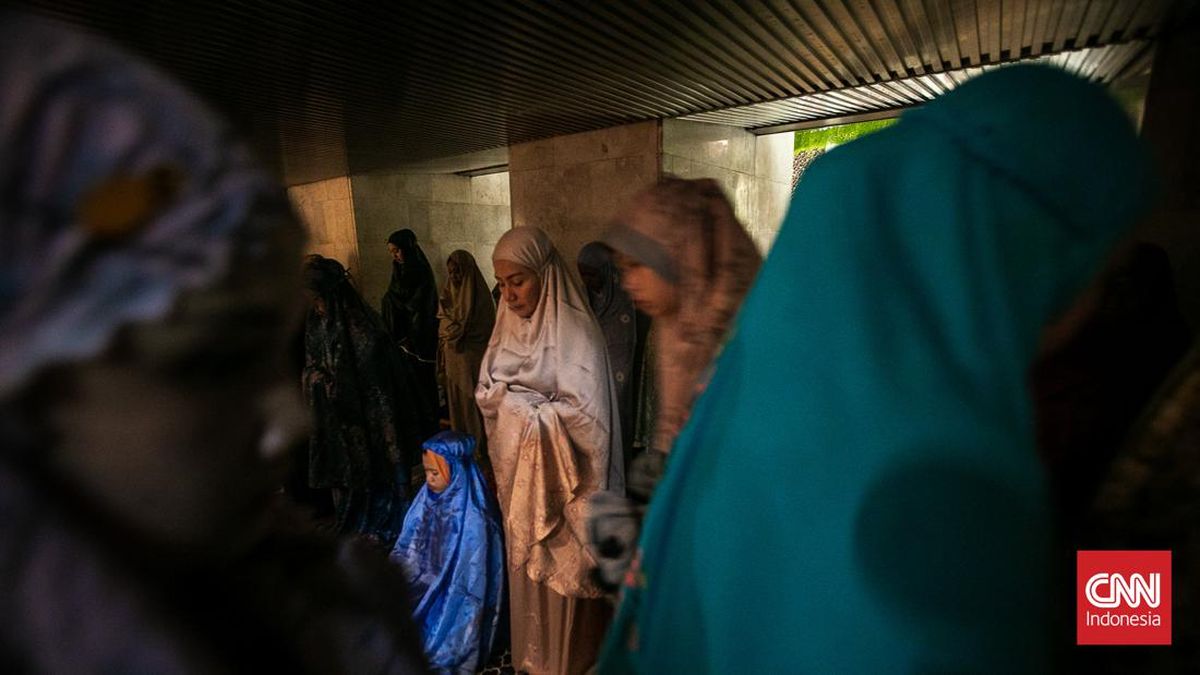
x=368, y=419
x=615, y=313
x=550, y=407
x=687, y=262
x=409, y=307
x=465, y=326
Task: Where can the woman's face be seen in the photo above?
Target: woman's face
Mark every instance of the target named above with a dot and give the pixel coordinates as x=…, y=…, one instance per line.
x=520, y=287
x=454, y=271
x=434, y=478
x=397, y=252
x=651, y=293
x=179, y=432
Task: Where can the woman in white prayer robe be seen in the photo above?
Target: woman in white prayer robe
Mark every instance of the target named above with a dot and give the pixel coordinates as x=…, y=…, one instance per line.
x=550, y=409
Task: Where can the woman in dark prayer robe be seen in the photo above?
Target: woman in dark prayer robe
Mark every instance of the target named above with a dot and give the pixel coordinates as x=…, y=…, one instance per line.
x=619, y=321
x=410, y=307
x=367, y=421
x=148, y=292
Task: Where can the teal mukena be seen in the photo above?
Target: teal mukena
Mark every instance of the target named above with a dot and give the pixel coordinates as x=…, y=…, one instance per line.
x=858, y=491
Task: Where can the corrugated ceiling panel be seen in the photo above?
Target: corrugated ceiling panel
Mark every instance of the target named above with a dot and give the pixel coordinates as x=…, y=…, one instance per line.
x=327, y=88
x=1100, y=64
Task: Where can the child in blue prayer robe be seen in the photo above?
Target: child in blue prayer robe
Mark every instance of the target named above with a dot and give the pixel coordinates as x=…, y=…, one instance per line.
x=452, y=551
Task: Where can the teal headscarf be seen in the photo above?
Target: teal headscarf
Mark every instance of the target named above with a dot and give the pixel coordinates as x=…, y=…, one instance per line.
x=858, y=491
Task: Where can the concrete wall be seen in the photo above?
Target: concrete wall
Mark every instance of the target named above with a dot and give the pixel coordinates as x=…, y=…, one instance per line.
x=773, y=187
x=326, y=209
x=1171, y=127
x=446, y=212
x=756, y=171
x=572, y=186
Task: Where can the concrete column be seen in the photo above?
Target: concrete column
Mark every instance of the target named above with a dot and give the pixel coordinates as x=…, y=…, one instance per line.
x=327, y=212
x=755, y=171
x=572, y=186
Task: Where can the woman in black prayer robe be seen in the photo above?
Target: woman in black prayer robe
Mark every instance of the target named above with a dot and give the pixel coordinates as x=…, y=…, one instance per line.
x=410, y=305
x=619, y=321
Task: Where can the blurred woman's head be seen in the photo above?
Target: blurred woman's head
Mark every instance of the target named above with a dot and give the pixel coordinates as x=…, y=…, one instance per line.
x=652, y=294
x=680, y=246
x=147, y=297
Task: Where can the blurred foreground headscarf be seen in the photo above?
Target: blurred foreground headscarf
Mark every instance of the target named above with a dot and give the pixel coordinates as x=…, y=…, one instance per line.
x=118, y=192
x=686, y=231
x=878, y=370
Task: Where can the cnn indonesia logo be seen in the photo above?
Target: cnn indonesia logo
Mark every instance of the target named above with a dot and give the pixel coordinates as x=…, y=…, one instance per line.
x=1124, y=598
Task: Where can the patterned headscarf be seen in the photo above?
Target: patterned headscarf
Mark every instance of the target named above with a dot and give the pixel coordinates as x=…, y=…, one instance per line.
x=686, y=231
x=120, y=192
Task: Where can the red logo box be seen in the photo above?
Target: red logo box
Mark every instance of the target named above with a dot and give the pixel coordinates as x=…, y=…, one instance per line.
x=1123, y=598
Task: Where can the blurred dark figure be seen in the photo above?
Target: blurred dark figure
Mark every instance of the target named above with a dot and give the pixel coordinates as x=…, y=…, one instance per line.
x=317, y=501
x=367, y=412
x=410, y=307
x=1150, y=500
x=147, y=294
x=619, y=320
x=1099, y=366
